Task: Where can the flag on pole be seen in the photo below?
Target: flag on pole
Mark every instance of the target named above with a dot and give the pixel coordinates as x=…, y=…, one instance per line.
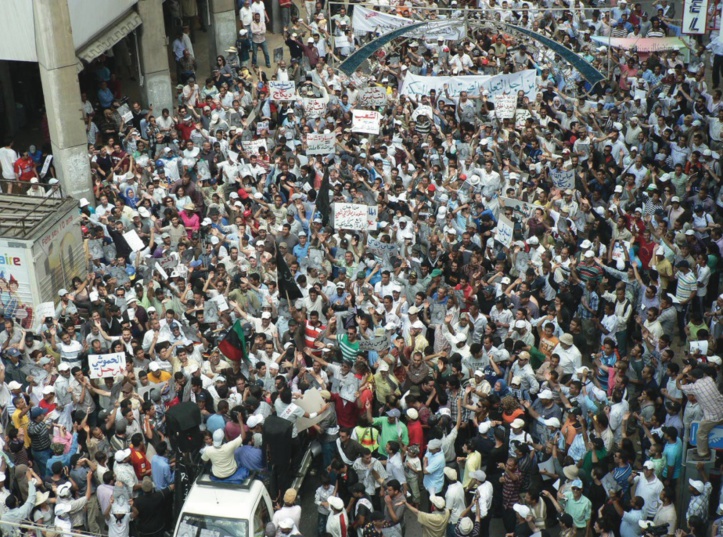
x=285, y=280
x=234, y=345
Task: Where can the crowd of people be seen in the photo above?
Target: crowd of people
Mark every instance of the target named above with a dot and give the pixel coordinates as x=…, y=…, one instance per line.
x=547, y=377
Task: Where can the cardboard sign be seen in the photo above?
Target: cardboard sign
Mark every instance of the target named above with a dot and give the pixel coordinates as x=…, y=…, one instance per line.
x=563, y=179
x=314, y=108
x=521, y=116
x=278, y=54
x=106, y=365
x=354, y=216
x=505, y=231
x=372, y=97
x=311, y=402
x=252, y=147
x=423, y=109
x=521, y=208
x=366, y=121
x=374, y=343
x=262, y=126
x=282, y=91
x=341, y=41
x=505, y=106
x=168, y=262
x=318, y=143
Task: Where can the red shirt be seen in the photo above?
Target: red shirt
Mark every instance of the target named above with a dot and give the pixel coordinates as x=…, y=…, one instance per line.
x=347, y=412
x=140, y=463
x=25, y=169
x=416, y=434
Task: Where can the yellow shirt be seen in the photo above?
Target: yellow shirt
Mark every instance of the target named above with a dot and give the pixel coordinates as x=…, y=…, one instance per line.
x=473, y=463
x=22, y=422
x=160, y=379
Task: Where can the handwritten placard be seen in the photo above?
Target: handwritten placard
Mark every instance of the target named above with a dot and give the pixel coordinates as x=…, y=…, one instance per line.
x=261, y=127
x=318, y=143
x=505, y=231
x=563, y=179
x=519, y=207
x=372, y=97
x=106, y=365
x=505, y=106
x=353, y=216
x=252, y=147
x=374, y=343
x=282, y=91
x=366, y=121
x=314, y=108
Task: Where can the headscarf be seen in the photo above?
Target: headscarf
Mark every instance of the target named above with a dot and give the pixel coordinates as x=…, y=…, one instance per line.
x=504, y=390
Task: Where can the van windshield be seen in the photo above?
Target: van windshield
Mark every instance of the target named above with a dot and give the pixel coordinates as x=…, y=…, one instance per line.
x=212, y=526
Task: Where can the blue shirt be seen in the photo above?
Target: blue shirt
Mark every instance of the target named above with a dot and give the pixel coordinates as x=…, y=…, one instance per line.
x=434, y=480
x=163, y=474
x=65, y=458
x=673, y=454
x=629, y=527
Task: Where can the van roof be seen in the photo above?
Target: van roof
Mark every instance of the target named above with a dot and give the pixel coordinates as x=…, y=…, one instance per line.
x=208, y=497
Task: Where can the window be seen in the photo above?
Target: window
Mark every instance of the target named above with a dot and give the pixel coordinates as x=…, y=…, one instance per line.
x=212, y=526
x=261, y=518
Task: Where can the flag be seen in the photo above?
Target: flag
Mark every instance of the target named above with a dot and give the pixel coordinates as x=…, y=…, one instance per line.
x=233, y=345
x=323, y=206
x=285, y=280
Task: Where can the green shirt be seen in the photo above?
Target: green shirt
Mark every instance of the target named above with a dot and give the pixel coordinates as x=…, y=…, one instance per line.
x=391, y=432
x=580, y=510
x=349, y=350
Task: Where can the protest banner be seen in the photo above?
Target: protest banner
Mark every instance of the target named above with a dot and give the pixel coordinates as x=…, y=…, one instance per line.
x=423, y=109
x=314, y=108
x=262, y=126
x=133, y=240
x=374, y=343
x=366, y=121
x=368, y=20
x=318, y=143
x=282, y=91
x=505, y=106
x=646, y=45
x=521, y=208
x=252, y=147
x=377, y=247
x=416, y=85
x=563, y=179
x=505, y=231
x=371, y=97
x=106, y=365
x=354, y=216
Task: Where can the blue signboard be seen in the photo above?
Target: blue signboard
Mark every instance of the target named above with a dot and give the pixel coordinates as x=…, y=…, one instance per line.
x=715, y=438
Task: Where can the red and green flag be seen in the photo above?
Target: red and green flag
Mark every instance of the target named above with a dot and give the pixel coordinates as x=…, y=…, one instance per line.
x=234, y=345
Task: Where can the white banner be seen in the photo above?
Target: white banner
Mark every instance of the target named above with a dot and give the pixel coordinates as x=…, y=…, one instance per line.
x=366, y=121
x=473, y=85
x=318, y=143
x=695, y=15
x=563, y=179
x=505, y=231
x=252, y=147
x=282, y=91
x=367, y=20
x=505, y=106
x=355, y=216
x=371, y=97
x=106, y=365
x=525, y=210
x=314, y=108
x=423, y=109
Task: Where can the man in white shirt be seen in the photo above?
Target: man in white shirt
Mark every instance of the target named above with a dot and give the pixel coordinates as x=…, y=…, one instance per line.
x=648, y=487
x=8, y=156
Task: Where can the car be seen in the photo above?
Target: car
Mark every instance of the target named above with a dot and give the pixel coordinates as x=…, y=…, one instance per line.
x=217, y=509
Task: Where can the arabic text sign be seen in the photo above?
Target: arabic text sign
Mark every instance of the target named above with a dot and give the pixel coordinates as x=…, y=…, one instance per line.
x=353, y=216
x=314, y=108
x=252, y=147
x=365, y=121
x=695, y=15
x=374, y=343
x=377, y=247
x=311, y=402
x=563, y=179
x=372, y=97
x=505, y=230
x=367, y=20
x=106, y=365
x=645, y=44
x=282, y=91
x=505, y=106
x=319, y=143
x=715, y=437
x=473, y=85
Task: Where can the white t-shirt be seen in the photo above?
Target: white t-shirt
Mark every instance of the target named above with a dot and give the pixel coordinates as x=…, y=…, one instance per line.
x=7, y=161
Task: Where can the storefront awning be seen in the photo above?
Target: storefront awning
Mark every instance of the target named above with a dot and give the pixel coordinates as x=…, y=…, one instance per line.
x=112, y=35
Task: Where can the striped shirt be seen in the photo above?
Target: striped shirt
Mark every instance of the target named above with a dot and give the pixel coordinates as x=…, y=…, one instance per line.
x=687, y=285
x=349, y=350
x=39, y=435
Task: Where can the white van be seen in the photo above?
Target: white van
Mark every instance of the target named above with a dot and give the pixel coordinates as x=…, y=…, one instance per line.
x=216, y=509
